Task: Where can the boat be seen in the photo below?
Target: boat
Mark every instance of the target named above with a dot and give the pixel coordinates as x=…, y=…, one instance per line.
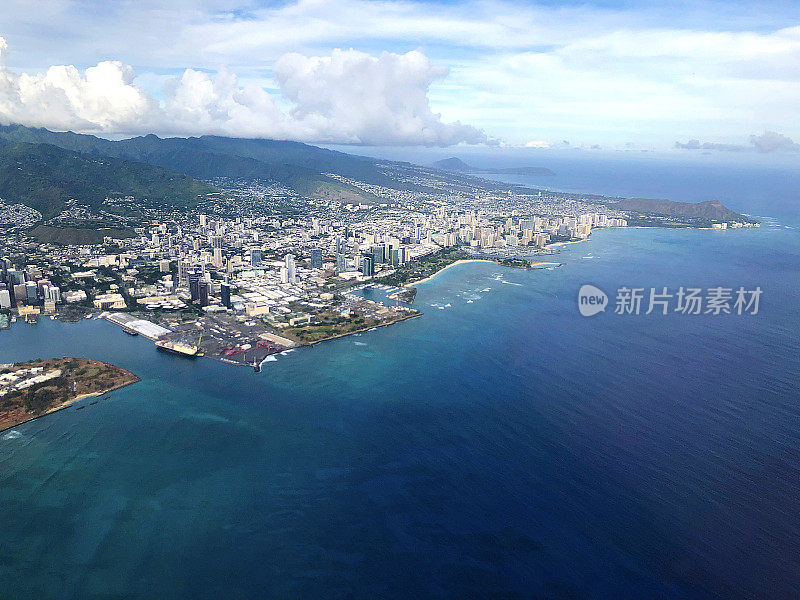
x=130, y=331
x=181, y=348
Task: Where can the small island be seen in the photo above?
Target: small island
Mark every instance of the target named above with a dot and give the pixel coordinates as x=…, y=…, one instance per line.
x=29, y=390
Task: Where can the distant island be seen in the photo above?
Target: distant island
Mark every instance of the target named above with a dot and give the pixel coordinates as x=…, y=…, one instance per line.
x=29, y=390
x=456, y=164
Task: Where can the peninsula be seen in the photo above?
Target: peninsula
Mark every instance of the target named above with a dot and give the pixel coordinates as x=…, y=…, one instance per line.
x=29, y=390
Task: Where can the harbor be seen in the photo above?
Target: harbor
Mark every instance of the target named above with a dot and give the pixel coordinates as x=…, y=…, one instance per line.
x=216, y=335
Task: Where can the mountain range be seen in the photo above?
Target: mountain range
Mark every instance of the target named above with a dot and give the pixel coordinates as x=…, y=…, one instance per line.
x=43, y=169
x=44, y=177
x=299, y=167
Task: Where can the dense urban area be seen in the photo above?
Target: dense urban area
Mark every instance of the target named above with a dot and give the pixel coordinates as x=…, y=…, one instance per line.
x=256, y=268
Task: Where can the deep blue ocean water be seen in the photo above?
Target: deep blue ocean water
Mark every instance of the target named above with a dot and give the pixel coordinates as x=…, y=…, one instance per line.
x=501, y=445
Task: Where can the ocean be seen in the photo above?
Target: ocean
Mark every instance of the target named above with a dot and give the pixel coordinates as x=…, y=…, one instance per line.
x=500, y=446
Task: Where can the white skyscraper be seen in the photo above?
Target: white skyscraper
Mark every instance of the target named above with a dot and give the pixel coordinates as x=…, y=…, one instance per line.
x=290, y=274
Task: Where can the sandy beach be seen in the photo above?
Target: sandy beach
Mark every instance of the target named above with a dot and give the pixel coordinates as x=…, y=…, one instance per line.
x=556, y=244
x=474, y=260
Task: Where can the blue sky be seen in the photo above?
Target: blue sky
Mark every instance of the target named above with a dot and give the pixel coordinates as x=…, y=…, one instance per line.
x=595, y=74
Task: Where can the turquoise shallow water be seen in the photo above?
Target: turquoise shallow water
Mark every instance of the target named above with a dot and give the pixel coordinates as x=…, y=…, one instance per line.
x=500, y=445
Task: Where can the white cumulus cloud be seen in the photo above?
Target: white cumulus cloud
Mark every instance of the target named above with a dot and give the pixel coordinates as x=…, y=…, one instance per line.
x=359, y=98
x=347, y=97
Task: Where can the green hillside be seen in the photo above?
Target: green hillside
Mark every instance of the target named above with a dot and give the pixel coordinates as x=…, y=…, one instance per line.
x=44, y=177
x=299, y=167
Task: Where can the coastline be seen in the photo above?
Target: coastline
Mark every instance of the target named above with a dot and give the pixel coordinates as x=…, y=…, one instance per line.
x=370, y=328
x=70, y=402
x=528, y=265
x=478, y=260
x=301, y=344
x=557, y=244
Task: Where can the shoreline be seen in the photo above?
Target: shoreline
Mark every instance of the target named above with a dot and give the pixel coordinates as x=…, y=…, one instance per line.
x=314, y=343
x=558, y=244
x=300, y=344
x=68, y=403
x=362, y=330
x=462, y=261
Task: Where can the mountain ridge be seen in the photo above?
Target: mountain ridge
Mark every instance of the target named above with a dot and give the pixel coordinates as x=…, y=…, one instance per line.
x=710, y=209
x=44, y=177
x=299, y=167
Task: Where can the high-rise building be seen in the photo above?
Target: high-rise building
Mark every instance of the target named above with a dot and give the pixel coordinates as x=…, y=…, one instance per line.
x=225, y=294
x=194, y=286
x=255, y=257
x=316, y=258
x=290, y=273
x=31, y=291
x=5, y=299
x=204, y=292
x=367, y=265
x=16, y=277
x=20, y=292
x=217, y=260
x=183, y=272
x=51, y=293
x=377, y=254
x=341, y=262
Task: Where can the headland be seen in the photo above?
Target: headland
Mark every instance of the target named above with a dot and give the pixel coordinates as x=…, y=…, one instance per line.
x=32, y=389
